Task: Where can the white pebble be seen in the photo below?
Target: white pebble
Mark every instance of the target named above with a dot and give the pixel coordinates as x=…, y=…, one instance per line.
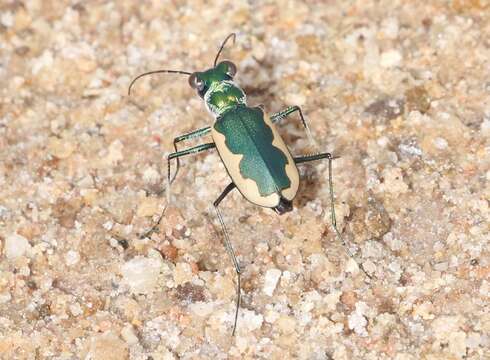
x=108, y=225
x=271, y=279
x=7, y=19
x=24, y=271
x=390, y=27
x=46, y=284
x=251, y=320
x=3, y=211
x=115, y=152
x=128, y=335
x=352, y=266
x=358, y=322
x=182, y=273
x=72, y=257
x=45, y=60
x=296, y=99
x=5, y=297
x=383, y=141
x=369, y=266
x=76, y=309
x=390, y=58
x=271, y=316
x=473, y=340
x=202, y=309
x=151, y=176
x=485, y=127
x=440, y=143
x=141, y=274
x=393, y=181
x=15, y=246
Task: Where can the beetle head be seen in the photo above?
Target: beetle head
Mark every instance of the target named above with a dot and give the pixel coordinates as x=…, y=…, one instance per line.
x=202, y=81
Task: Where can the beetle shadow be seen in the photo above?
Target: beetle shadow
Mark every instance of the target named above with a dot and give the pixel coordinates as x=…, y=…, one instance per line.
x=259, y=94
x=308, y=188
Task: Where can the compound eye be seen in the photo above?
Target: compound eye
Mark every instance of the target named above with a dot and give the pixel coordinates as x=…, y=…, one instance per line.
x=230, y=67
x=195, y=82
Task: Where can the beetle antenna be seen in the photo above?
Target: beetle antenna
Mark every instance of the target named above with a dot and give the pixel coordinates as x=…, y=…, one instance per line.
x=156, y=72
x=232, y=35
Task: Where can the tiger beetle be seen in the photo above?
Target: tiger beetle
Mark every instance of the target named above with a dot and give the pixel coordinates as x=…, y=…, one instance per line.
x=259, y=163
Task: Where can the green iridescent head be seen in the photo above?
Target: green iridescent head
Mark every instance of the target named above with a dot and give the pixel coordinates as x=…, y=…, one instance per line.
x=214, y=85
x=217, y=88
x=203, y=81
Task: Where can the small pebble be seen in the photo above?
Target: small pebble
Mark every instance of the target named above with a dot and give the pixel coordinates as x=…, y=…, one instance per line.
x=151, y=176
x=390, y=58
x=202, y=309
x=72, y=257
x=141, y=274
x=390, y=27
x=76, y=309
x=357, y=322
x=128, y=335
x=251, y=320
x=270, y=282
x=107, y=346
x=16, y=246
x=440, y=143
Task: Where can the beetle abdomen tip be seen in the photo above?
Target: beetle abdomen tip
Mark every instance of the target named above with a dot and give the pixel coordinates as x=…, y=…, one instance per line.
x=284, y=206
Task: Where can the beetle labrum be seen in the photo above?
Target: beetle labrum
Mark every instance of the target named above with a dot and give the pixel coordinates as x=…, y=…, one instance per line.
x=255, y=156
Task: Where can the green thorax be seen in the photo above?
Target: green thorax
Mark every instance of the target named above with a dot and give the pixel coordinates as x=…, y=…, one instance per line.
x=223, y=96
x=246, y=133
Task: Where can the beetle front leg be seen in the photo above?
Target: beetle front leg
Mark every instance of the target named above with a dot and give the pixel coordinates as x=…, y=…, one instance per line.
x=176, y=155
x=192, y=135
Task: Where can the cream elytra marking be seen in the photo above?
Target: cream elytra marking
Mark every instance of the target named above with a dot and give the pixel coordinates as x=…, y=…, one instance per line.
x=247, y=187
x=258, y=161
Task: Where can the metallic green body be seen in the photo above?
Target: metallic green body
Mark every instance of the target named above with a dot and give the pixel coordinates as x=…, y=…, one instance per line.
x=247, y=134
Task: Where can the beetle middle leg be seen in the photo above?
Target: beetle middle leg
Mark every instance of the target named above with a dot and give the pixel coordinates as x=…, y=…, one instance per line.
x=284, y=113
x=229, y=248
x=176, y=155
x=330, y=157
x=192, y=135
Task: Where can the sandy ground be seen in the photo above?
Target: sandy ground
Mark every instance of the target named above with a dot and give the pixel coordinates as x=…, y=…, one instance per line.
x=398, y=89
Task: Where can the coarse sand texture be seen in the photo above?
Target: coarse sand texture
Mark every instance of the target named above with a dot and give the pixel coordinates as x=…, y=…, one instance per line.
x=398, y=90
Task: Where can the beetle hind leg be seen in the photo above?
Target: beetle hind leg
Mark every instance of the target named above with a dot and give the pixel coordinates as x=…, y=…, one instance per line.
x=330, y=157
x=229, y=249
